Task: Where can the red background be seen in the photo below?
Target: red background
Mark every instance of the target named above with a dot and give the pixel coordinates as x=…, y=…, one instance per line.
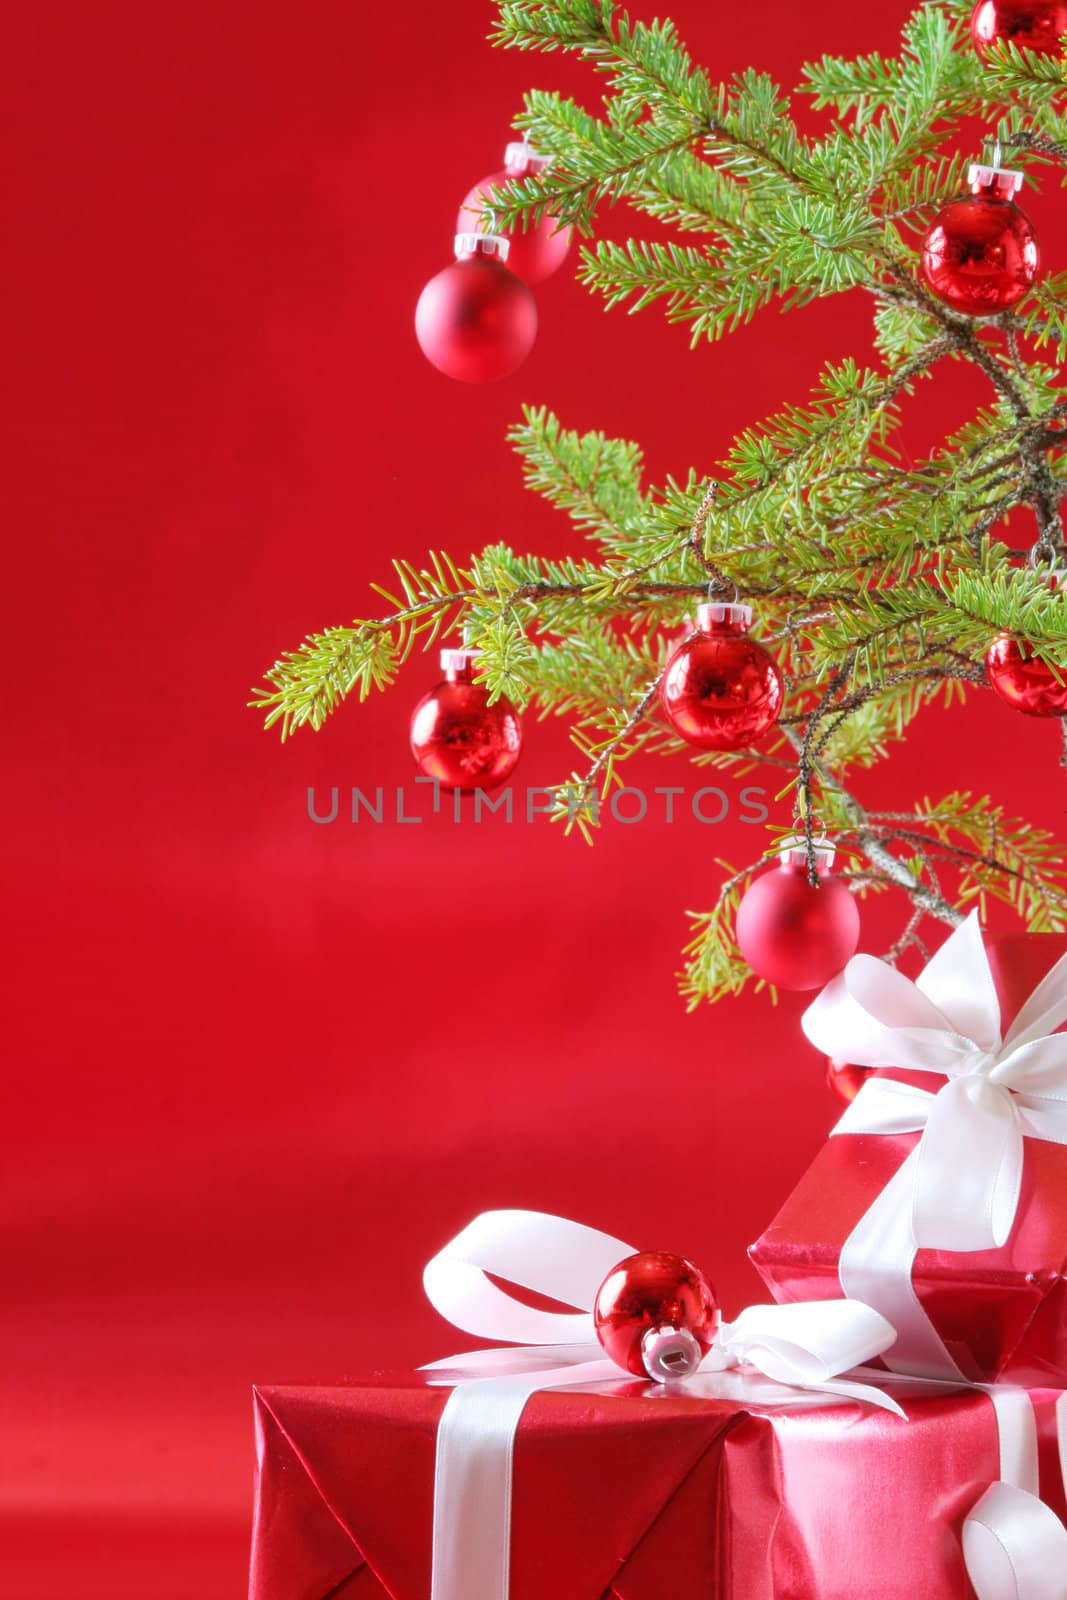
x=259, y=1070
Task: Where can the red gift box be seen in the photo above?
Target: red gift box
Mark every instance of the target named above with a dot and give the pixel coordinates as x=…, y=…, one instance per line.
x=624, y=1491
x=1001, y=1313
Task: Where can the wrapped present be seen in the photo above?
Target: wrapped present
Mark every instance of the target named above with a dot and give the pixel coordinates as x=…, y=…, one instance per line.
x=546, y=1471
x=941, y=1197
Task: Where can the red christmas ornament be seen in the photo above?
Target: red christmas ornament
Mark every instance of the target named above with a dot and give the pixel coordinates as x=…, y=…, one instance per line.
x=1030, y=24
x=791, y=933
x=457, y=736
x=722, y=690
x=656, y=1315
x=1023, y=681
x=980, y=254
x=476, y=321
x=536, y=252
x=845, y=1079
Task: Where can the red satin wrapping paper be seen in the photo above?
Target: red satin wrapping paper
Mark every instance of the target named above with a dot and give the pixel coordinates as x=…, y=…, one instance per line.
x=1001, y=1313
x=627, y=1494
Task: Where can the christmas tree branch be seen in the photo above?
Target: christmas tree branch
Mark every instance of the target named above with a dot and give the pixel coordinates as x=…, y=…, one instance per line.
x=879, y=578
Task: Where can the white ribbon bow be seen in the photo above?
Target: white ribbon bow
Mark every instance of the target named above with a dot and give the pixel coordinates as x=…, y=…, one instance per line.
x=1014, y=1546
x=805, y=1346
x=959, y=1189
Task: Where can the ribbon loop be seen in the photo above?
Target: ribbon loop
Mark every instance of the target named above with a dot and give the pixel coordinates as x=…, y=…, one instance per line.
x=1015, y=1547
x=556, y=1258
x=829, y=1336
x=807, y=1346
x=969, y=1168
x=959, y=981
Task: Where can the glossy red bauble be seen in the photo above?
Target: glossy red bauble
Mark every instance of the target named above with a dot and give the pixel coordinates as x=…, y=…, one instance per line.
x=1023, y=681
x=540, y=249
x=793, y=934
x=980, y=254
x=1030, y=24
x=845, y=1079
x=476, y=321
x=656, y=1315
x=722, y=690
x=460, y=739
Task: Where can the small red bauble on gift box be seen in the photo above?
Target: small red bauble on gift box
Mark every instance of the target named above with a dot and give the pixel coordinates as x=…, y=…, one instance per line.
x=656, y=1314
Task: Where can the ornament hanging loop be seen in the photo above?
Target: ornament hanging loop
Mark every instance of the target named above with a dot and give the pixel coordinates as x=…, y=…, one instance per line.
x=1046, y=555
x=703, y=511
x=720, y=587
x=808, y=833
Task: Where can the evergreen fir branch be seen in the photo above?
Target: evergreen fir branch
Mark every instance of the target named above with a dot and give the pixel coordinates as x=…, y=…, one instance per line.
x=995, y=855
x=608, y=162
x=590, y=669
x=594, y=158
x=862, y=738
x=1027, y=75
x=851, y=408
x=625, y=737
x=714, y=966
x=552, y=24
x=753, y=135
x=931, y=76
x=495, y=600
x=1011, y=600
x=596, y=480
x=963, y=610
x=914, y=194
x=505, y=658
x=902, y=331
x=1044, y=316
x=650, y=69
x=694, y=196
x=306, y=685
x=815, y=246
x=687, y=278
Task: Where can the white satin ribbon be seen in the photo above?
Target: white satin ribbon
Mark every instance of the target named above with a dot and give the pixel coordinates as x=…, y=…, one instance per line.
x=1014, y=1546
x=959, y=1188
x=800, y=1347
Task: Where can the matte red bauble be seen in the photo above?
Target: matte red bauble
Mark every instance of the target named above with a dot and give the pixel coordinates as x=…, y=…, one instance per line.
x=1023, y=681
x=722, y=690
x=791, y=933
x=1030, y=24
x=656, y=1315
x=460, y=739
x=980, y=254
x=540, y=249
x=476, y=321
x=845, y=1079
